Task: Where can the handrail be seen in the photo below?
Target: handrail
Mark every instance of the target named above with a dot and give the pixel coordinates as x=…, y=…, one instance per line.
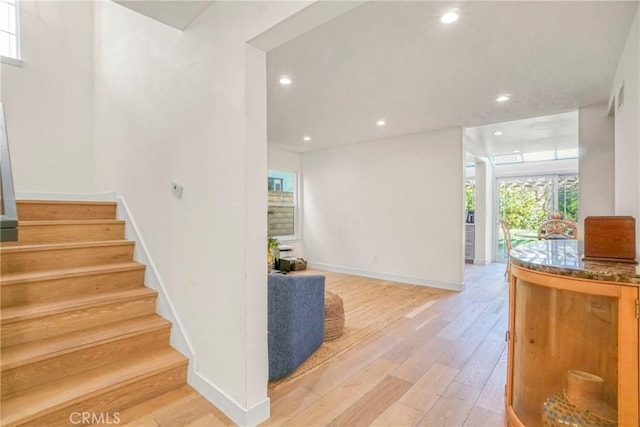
x=9, y=211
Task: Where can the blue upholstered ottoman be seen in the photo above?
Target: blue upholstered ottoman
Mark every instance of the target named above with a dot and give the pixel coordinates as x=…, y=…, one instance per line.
x=296, y=321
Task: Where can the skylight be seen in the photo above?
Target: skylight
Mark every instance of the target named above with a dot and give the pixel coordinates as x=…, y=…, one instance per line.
x=569, y=153
x=539, y=156
x=505, y=159
x=517, y=157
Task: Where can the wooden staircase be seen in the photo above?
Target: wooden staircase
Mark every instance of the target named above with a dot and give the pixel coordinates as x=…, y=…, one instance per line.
x=78, y=327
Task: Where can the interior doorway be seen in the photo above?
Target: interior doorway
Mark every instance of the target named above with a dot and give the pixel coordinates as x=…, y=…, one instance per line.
x=524, y=202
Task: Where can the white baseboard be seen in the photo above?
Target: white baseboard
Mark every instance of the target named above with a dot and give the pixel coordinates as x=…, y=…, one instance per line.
x=482, y=261
x=388, y=276
x=224, y=402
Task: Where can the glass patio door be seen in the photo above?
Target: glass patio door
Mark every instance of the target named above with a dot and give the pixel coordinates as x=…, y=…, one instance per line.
x=524, y=202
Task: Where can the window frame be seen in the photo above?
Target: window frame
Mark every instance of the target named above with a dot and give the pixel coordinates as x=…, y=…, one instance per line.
x=17, y=61
x=295, y=205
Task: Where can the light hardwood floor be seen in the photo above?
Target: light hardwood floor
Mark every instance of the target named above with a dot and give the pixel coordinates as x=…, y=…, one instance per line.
x=442, y=365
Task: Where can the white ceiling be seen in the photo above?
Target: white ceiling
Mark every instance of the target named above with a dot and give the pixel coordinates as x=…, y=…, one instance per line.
x=545, y=133
x=175, y=13
x=396, y=60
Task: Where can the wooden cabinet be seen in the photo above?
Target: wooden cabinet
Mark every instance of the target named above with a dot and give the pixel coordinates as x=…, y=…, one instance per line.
x=560, y=323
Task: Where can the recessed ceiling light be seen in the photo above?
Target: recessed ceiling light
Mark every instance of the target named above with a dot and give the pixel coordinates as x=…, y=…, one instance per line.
x=285, y=80
x=498, y=133
x=381, y=122
x=503, y=98
x=516, y=151
x=307, y=138
x=449, y=17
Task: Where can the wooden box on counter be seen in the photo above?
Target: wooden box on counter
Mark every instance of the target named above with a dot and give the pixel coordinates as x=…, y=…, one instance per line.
x=610, y=238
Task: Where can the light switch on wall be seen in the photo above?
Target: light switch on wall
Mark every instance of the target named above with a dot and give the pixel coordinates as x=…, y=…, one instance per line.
x=176, y=189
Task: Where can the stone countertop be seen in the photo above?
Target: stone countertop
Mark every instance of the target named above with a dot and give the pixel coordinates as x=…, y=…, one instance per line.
x=564, y=257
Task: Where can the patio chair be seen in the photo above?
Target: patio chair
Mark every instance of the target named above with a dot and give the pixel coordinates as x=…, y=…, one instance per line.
x=558, y=229
x=507, y=243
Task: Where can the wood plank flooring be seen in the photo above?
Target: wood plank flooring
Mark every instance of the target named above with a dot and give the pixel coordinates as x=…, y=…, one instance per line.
x=444, y=364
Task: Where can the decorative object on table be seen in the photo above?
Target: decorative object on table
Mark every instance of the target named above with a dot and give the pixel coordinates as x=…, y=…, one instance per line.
x=272, y=246
x=557, y=229
x=285, y=251
x=333, y=316
x=299, y=264
x=291, y=264
x=580, y=404
x=470, y=216
x=610, y=238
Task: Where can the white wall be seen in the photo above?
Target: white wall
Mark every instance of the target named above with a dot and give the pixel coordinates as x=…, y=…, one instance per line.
x=49, y=100
x=484, y=213
x=285, y=160
x=627, y=130
x=172, y=105
x=280, y=159
x=596, y=168
x=396, y=201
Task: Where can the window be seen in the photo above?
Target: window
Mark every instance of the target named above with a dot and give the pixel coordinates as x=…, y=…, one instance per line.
x=524, y=202
x=470, y=195
x=275, y=184
x=9, y=34
x=567, y=195
x=283, y=209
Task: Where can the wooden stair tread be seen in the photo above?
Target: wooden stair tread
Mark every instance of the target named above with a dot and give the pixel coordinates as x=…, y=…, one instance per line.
x=22, y=277
x=67, y=202
x=35, y=231
x=32, y=223
x=60, y=394
x=23, y=354
x=169, y=398
x=63, y=246
x=15, y=314
x=62, y=209
x=80, y=328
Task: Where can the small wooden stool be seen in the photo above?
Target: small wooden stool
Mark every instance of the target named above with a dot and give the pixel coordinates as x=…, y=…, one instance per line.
x=333, y=316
